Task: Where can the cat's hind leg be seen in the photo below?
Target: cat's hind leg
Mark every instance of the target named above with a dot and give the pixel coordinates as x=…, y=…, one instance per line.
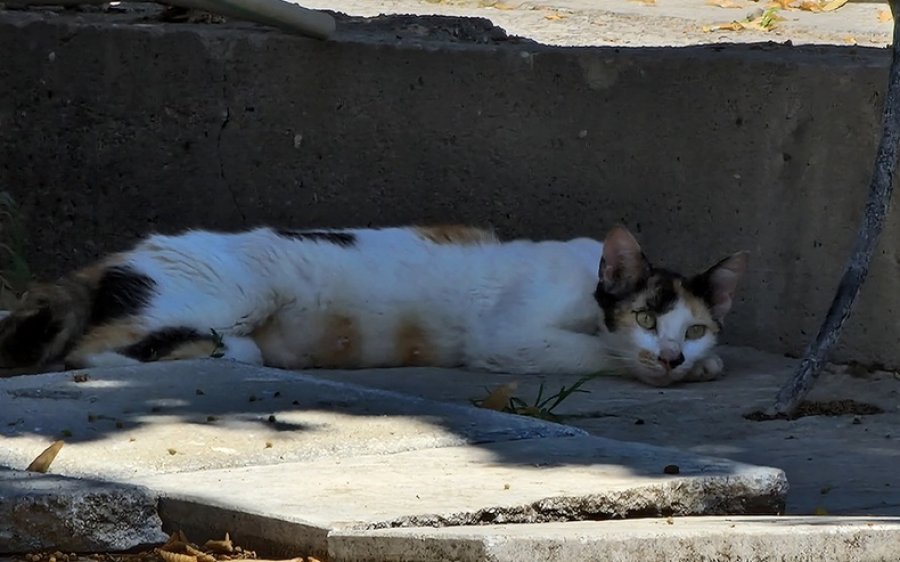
x=117, y=346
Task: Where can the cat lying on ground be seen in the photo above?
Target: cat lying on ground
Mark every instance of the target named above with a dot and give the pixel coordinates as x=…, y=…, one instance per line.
x=357, y=298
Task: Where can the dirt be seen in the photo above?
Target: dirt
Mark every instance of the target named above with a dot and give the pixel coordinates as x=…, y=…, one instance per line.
x=826, y=408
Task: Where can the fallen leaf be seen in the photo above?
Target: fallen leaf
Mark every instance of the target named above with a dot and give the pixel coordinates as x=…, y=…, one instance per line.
x=833, y=5
x=222, y=547
x=554, y=17
x=646, y=2
x=885, y=16
x=44, y=460
x=724, y=4
x=176, y=557
x=810, y=6
x=850, y=40
x=782, y=4
x=499, y=397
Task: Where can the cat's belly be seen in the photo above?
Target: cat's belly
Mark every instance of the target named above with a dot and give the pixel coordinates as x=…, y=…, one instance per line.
x=343, y=340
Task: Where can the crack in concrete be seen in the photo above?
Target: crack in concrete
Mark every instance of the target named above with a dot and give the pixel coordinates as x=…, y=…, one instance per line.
x=222, y=128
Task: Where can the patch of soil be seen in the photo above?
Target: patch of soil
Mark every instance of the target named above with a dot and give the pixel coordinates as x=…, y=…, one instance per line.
x=176, y=549
x=829, y=408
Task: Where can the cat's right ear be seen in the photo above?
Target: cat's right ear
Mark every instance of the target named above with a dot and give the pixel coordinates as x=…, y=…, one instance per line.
x=623, y=264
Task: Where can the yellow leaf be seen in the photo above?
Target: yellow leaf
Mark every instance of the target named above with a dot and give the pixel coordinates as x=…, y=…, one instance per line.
x=810, y=6
x=499, y=397
x=646, y=2
x=554, y=17
x=43, y=461
x=885, y=16
x=833, y=5
x=850, y=39
x=783, y=4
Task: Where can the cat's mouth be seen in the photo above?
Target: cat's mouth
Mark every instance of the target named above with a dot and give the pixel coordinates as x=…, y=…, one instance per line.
x=652, y=371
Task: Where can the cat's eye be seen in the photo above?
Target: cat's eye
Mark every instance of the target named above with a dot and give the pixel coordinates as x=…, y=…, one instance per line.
x=695, y=332
x=645, y=320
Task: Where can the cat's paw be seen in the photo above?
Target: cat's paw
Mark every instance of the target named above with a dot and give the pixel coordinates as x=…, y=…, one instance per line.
x=707, y=369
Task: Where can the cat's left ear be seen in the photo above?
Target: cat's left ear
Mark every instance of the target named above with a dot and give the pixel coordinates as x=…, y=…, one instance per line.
x=717, y=284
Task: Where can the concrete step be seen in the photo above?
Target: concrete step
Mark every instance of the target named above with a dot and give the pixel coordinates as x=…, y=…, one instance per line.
x=692, y=539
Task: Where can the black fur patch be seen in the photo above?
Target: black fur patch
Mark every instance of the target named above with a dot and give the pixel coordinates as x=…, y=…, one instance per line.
x=121, y=291
x=343, y=239
x=662, y=297
x=163, y=342
x=29, y=336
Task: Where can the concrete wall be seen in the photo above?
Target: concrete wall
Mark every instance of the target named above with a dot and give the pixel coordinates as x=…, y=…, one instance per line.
x=110, y=131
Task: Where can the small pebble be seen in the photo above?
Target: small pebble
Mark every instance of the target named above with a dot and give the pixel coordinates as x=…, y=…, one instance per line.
x=672, y=469
x=272, y=418
x=639, y=421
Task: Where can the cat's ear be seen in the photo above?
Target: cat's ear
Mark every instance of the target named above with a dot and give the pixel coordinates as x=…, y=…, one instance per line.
x=717, y=284
x=623, y=264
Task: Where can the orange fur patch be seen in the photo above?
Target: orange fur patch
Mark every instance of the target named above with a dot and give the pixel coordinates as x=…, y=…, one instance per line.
x=412, y=344
x=108, y=337
x=191, y=350
x=456, y=234
x=339, y=344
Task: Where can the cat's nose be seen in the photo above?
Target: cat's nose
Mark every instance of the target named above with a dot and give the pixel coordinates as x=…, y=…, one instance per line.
x=671, y=359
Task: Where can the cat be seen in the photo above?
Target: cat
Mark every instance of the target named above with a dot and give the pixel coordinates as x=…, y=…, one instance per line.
x=448, y=296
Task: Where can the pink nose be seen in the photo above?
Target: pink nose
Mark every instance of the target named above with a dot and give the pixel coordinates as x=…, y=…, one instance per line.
x=670, y=359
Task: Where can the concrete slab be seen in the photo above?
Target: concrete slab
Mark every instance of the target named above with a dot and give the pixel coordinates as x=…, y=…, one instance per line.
x=525, y=481
x=194, y=415
x=736, y=539
x=843, y=464
x=337, y=455
x=43, y=511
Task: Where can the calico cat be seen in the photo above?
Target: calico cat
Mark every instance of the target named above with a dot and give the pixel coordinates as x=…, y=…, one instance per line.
x=439, y=296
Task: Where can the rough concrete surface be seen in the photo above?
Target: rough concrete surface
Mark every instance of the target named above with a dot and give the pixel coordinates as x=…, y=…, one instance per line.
x=694, y=539
x=196, y=415
x=702, y=150
x=44, y=511
x=525, y=481
x=845, y=464
x=342, y=456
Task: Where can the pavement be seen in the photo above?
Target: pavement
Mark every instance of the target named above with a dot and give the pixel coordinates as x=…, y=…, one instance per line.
x=652, y=23
x=396, y=464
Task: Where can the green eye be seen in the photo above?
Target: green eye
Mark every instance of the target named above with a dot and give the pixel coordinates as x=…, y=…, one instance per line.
x=696, y=332
x=645, y=320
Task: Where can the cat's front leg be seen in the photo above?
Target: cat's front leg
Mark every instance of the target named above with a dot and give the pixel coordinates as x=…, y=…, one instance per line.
x=550, y=351
x=707, y=369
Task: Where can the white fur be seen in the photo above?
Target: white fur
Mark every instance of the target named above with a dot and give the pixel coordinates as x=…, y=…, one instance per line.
x=522, y=306
x=517, y=307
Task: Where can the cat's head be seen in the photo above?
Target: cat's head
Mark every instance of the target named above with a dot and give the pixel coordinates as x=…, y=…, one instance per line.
x=662, y=323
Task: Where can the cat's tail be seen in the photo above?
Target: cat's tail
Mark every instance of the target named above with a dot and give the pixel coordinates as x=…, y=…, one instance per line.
x=49, y=319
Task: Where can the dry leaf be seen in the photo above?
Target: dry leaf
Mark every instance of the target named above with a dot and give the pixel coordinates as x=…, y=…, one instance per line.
x=199, y=554
x=782, y=4
x=885, y=16
x=850, y=40
x=554, y=17
x=646, y=2
x=44, y=460
x=499, y=397
x=724, y=3
x=810, y=6
x=833, y=5
x=222, y=547
x=176, y=557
